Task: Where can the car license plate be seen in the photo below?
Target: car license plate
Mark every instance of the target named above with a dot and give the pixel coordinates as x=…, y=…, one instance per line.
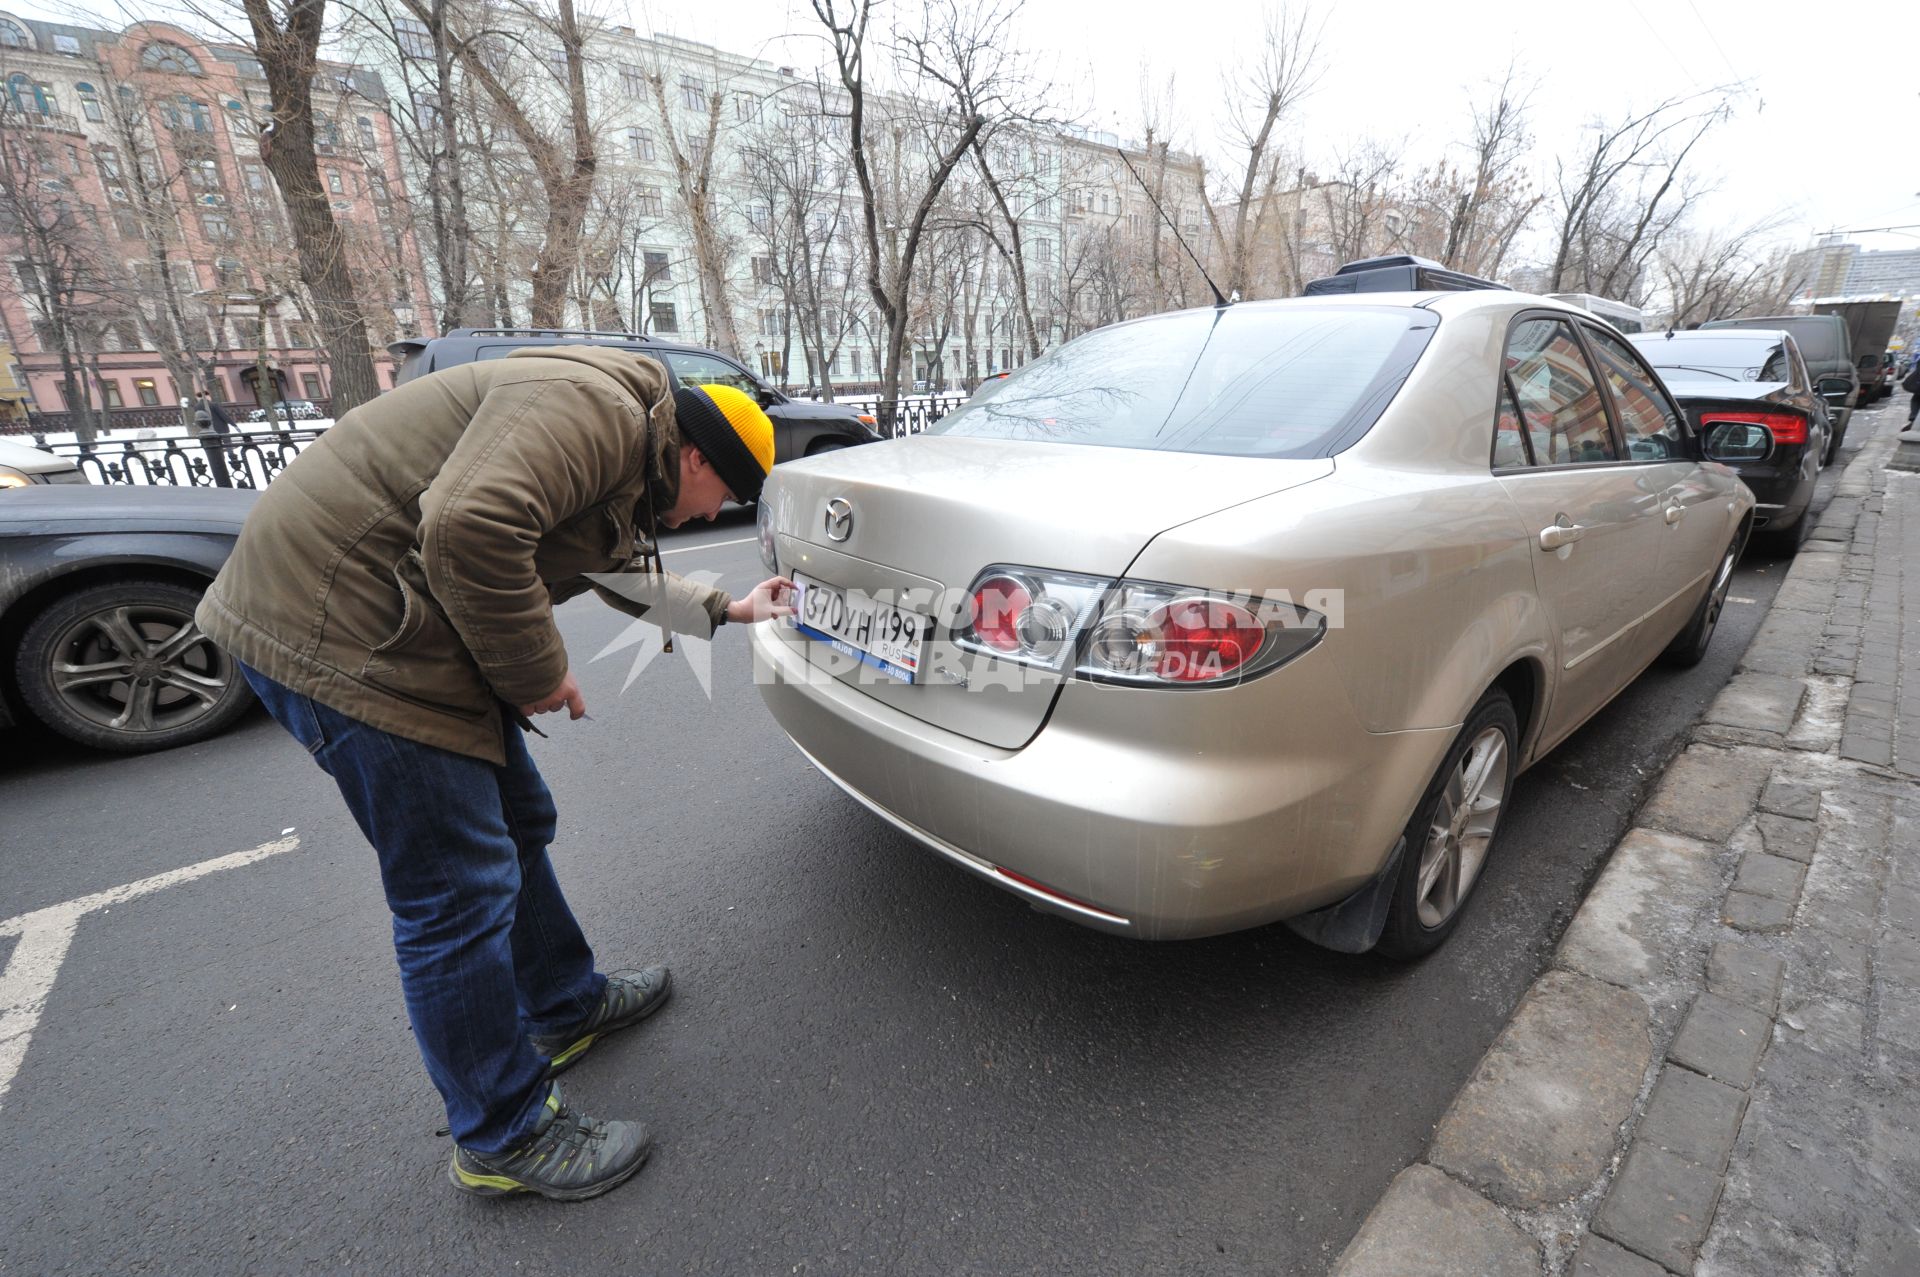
x=881, y=635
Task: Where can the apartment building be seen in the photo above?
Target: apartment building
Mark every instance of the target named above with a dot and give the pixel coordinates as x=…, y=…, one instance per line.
x=163, y=262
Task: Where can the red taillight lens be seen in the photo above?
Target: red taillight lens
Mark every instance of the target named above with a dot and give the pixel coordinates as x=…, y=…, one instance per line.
x=998, y=603
x=1201, y=639
x=1785, y=427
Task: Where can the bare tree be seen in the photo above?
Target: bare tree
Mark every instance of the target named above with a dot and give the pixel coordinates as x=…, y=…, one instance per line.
x=1723, y=275
x=558, y=143
x=962, y=79
x=286, y=38
x=696, y=189
x=1483, y=207
x=61, y=259
x=1622, y=191
x=1282, y=71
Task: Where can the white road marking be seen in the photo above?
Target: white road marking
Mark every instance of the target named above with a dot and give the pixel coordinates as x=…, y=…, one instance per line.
x=46, y=934
x=709, y=545
x=1735, y=598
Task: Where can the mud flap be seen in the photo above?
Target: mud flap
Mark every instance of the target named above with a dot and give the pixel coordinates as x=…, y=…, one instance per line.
x=1354, y=925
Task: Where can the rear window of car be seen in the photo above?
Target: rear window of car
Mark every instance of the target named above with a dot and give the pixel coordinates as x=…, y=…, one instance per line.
x=1820, y=337
x=1734, y=358
x=1299, y=381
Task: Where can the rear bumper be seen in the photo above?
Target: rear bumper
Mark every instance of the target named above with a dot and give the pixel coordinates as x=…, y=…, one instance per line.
x=1156, y=815
x=1782, y=490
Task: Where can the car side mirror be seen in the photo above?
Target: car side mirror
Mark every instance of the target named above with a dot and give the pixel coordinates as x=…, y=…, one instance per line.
x=1835, y=389
x=768, y=397
x=1734, y=442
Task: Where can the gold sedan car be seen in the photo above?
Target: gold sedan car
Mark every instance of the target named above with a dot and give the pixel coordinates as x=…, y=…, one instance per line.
x=1252, y=613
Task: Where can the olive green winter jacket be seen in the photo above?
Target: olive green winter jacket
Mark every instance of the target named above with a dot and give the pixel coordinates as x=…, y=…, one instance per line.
x=404, y=568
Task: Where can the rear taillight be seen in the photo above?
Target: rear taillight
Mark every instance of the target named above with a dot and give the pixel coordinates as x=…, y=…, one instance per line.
x=1133, y=632
x=1785, y=427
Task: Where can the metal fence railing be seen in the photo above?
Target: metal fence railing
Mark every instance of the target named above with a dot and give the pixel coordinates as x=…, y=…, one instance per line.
x=237, y=460
x=910, y=415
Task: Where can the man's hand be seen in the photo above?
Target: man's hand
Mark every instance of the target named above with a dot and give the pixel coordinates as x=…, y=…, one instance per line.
x=772, y=597
x=567, y=694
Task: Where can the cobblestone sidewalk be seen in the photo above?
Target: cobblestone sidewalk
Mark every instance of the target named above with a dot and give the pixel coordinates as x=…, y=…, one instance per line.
x=1718, y=1074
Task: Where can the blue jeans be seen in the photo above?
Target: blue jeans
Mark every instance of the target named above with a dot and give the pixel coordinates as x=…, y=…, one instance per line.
x=489, y=951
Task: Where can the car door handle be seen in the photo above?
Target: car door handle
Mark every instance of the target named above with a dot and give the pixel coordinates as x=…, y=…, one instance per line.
x=1552, y=538
x=1675, y=513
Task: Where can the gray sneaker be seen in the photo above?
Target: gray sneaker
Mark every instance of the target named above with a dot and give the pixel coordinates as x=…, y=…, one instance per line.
x=570, y=1158
x=630, y=997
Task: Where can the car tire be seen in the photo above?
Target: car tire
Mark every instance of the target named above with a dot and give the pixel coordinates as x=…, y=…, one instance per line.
x=1452, y=833
x=180, y=689
x=1689, y=646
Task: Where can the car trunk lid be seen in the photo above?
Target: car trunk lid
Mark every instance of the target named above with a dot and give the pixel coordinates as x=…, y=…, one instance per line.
x=929, y=513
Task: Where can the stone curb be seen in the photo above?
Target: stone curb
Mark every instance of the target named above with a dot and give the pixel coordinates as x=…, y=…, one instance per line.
x=1593, y=1139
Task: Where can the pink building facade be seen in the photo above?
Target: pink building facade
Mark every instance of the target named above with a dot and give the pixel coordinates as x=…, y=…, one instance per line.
x=143, y=147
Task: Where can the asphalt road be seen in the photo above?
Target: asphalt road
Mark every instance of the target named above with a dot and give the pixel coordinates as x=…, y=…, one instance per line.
x=874, y=1063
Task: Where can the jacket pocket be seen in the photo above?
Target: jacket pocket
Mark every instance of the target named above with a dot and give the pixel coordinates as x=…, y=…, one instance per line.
x=424, y=660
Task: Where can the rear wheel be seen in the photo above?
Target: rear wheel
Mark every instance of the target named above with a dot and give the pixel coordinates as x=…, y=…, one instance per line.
x=123, y=666
x=1452, y=831
x=1689, y=646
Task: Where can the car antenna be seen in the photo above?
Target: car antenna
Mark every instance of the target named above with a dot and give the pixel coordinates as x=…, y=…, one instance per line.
x=1219, y=298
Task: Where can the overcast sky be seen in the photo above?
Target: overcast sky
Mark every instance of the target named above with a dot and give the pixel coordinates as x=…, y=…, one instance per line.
x=1823, y=129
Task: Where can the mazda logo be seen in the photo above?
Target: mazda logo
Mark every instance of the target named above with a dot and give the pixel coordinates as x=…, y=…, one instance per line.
x=839, y=519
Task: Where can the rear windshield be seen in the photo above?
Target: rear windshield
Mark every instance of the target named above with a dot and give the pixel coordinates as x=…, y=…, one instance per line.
x=1294, y=381
x=1734, y=358
x=1819, y=337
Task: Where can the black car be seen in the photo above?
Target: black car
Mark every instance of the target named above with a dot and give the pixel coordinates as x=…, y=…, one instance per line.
x=800, y=428
x=98, y=586
x=1826, y=349
x=1753, y=403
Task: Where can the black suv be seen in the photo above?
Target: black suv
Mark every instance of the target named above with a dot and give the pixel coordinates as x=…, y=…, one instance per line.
x=800, y=428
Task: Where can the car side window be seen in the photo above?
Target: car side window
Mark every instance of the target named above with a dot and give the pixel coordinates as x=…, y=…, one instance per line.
x=1557, y=394
x=1776, y=368
x=1509, y=443
x=1653, y=430
x=706, y=370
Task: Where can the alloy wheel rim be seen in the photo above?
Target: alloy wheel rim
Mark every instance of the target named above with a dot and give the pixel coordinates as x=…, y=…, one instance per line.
x=139, y=668
x=1464, y=820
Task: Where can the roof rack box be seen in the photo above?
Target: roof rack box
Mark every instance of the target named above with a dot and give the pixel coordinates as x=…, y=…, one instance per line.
x=1400, y=274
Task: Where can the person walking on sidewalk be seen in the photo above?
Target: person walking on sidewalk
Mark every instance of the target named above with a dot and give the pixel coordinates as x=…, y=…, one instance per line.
x=1911, y=384
x=391, y=601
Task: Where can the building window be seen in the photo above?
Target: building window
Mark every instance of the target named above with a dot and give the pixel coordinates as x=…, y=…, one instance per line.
x=161, y=56
x=693, y=94
x=632, y=82
x=763, y=270
x=664, y=320
x=856, y=364
x=231, y=275
x=557, y=61
x=148, y=393
x=218, y=229
x=773, y=322
x=382, y=193
x=13, y=35
x=369, y=137
x=745, y=105
x=25, y=96
x=310, y=385
x=659, y=267
x=640, y=141
x=426, y=112
x=414, y=37
x=326, y=138
x=256, y=177
x=109, y=394
x=204, y=174
x=67, y=44
x=760, y=217
x=334, y=183
x=771, y=366
x=89, y=102
x=697, y=152
x=187, y=113
x=125, y=222
x=647, y=200
x=73, y=161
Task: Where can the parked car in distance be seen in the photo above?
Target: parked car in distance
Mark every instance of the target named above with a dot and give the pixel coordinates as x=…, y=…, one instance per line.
x=21, y=465
x=290, y=410
x=801, y=428
x=1828, y=352
x=98, y=586
x=1228, y=616
x=1749, y=391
